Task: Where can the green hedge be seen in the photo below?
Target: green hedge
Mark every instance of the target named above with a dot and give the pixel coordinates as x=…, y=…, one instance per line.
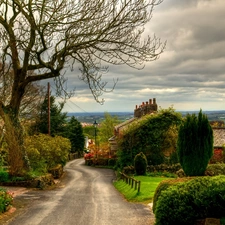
x=197, y=198
x=163, y=185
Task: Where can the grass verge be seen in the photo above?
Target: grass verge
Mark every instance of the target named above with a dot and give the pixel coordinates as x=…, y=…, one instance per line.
x=148, y=186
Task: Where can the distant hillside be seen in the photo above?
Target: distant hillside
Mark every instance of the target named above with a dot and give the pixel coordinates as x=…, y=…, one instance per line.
x=99, y=116
x=84, y=117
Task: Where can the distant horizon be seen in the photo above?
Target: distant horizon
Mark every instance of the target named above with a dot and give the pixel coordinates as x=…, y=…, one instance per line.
x=219, y=110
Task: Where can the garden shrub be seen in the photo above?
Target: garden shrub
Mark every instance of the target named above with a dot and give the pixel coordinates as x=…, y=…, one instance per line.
x=102, y=162
x=198, y=198
x=6, y=199
x=215, y=169
x=45, y=152
x=164, y=168
x=163, y=185
x=140, y=164
x=4, y=175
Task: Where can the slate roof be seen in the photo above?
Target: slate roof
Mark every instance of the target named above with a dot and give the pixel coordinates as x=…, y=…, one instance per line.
x=219, y=136
x=124, y=125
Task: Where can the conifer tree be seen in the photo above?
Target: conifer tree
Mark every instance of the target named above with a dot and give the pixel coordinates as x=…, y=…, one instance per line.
x=75, y=135
x=58, y=118
x=195, y=144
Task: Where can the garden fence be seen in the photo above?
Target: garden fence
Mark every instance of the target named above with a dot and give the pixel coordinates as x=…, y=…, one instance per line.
x=136, y=184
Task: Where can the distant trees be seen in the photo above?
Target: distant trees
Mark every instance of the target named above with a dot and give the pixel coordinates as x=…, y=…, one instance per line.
x=106, y=130
x=195, y=144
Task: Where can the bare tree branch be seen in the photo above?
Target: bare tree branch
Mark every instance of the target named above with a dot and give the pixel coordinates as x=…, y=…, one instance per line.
x=39, y=39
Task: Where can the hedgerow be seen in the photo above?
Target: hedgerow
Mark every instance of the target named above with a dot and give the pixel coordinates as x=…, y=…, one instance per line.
x=199, y=198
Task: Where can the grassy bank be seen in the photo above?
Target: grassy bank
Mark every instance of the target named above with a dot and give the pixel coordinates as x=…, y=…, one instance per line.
x=148, y=186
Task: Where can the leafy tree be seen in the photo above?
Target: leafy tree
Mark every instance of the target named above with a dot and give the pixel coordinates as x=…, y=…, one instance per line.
x=195, y=144
x=89, y=131
x=74, y=132
x=57, y=121
x=106, y=129
x=40, y=39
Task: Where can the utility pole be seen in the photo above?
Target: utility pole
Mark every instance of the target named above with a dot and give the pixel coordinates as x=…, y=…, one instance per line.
x=49, y=114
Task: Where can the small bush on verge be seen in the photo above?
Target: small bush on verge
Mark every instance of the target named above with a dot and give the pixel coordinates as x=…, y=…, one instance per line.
x=6, y=199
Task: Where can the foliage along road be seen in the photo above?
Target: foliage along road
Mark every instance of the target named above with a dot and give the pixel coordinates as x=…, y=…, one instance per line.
x=85, y=196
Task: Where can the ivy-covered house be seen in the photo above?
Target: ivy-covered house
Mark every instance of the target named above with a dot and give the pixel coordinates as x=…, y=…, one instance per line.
x=145, y=108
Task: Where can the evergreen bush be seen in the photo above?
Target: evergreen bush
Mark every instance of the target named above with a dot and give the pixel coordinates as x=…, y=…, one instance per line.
x=195, y=144
x=140, y=164
x=184, y=203
x=4, y=175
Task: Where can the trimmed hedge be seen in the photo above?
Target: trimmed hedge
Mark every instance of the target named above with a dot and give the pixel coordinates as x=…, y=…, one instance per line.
x=163, y=185
x=198, y=198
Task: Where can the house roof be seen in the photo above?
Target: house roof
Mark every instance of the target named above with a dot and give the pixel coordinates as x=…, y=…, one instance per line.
x=124, y=125
x=219, y=136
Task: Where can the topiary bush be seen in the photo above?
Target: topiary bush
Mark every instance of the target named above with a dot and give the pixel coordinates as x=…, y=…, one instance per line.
x=140, y=164
x=184, y=203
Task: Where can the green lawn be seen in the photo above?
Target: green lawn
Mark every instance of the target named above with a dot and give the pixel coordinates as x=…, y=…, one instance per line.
x=148, y=186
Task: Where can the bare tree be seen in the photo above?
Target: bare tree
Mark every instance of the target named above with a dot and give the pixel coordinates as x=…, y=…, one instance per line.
x=40, y=38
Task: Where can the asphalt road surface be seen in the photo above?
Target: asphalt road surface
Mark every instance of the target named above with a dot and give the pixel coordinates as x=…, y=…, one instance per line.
x=85, y=196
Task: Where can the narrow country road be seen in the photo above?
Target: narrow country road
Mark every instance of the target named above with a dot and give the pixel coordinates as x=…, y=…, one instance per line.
x=85, y=196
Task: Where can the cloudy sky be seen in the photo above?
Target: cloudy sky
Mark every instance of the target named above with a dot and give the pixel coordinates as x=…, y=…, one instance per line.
x=189, y=75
